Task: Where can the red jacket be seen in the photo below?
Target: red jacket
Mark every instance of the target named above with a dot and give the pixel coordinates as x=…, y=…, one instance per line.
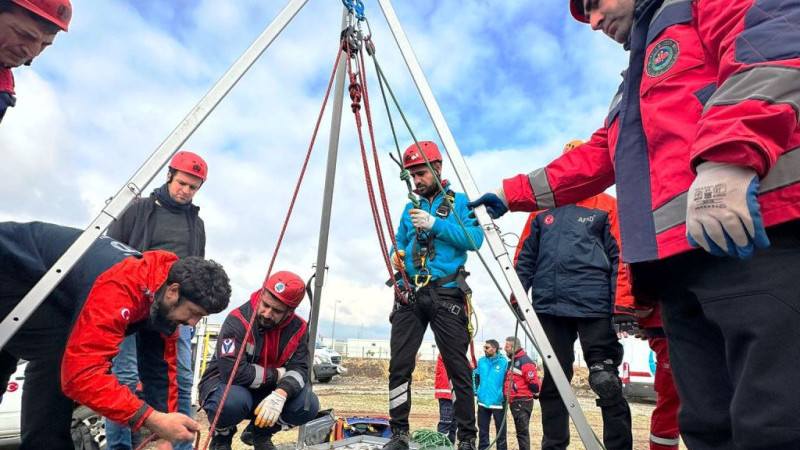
x=120, y=299
x=441, y=385
x=522, y=381
x=711, y=80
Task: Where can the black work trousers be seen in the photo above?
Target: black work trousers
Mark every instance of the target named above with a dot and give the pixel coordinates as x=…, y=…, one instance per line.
x=485, y=416
x=521, y=411
x=46, y=411
x=733, y=328
x=442, y=308
x=599, y=343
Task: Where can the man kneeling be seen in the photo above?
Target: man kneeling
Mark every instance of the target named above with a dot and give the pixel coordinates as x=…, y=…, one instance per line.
x=270, y=385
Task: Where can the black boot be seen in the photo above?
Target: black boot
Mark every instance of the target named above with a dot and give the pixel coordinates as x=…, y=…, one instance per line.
x=222, y=438
x=467, y=444
x=399, y=440
x=262, y=442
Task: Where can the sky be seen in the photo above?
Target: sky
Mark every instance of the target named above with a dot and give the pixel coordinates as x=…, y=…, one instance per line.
x=515, y=81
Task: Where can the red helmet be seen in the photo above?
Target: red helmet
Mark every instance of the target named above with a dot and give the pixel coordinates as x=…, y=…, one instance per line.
x=576, y=8
x=57, y=11
x=190, y=163
x=286, y=287
x=411, y=157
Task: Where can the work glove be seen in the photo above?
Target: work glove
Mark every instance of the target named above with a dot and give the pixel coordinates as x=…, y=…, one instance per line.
x=495, y=202
x=269, y=410
x=625, y=325
x=722, y=213
x=397, y=260
x=421, y=219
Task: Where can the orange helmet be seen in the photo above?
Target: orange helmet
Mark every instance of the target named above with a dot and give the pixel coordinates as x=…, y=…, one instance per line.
x=190, y=163
x=576, y=8
x=572, y=144
x=57, y=11
x=412, y=157
x=287, y=287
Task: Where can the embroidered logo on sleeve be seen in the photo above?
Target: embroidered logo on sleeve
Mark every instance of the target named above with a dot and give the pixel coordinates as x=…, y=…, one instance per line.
x=662, y=58
x=228, y=347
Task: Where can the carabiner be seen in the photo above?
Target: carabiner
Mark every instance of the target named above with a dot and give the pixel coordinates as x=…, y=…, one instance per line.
x=355, y=7
x=427, y=279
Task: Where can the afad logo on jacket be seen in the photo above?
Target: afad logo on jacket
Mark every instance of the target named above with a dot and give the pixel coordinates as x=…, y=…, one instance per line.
x=662, y=58
x=549, y=219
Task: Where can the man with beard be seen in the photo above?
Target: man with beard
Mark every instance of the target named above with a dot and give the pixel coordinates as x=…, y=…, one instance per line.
x=112, y=291
x=27, y=27
x=167, y=220
x=271, y=383
x=432, y=249
x=701, y=141
x=488, y=384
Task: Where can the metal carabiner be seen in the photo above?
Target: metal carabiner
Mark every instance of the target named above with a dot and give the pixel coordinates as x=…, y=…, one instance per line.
x=355, y=7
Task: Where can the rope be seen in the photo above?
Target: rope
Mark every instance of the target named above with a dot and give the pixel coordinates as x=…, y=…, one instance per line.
x=356, y=93
x=249, y=328
x=430, y=440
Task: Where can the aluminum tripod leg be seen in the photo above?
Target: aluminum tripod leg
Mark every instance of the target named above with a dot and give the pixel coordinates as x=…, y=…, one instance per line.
x=327, y=204
x=120, y=202
x=492, y=236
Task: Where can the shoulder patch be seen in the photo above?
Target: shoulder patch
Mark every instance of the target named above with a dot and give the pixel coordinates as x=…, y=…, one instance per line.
x=227, y=347
x=662, y=58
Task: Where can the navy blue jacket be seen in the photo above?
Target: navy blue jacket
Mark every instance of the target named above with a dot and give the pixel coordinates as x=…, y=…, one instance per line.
x=571, y=261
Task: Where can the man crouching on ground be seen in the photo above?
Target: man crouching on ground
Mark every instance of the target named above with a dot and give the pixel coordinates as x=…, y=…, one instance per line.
x=270, y=385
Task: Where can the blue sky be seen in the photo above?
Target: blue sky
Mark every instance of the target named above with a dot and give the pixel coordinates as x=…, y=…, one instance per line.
x=515, y=81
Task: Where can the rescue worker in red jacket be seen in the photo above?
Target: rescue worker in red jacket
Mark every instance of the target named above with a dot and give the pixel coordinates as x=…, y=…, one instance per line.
x=27, y=27
x=443, y=393
x=701, y=141
x=271, y=383
x=664, y=432
x=112, y=290
x=521, y=387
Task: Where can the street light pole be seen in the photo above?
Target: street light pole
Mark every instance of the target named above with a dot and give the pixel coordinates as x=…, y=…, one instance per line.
x=333, y=327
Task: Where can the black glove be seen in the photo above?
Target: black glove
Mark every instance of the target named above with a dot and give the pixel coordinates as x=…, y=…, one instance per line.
x=477, y=380
x=625, y=324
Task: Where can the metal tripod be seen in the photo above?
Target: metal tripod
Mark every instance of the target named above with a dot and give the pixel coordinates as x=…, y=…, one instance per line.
x=133, y=188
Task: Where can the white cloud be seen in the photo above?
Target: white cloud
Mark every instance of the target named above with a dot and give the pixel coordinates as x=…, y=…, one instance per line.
x=93, y=108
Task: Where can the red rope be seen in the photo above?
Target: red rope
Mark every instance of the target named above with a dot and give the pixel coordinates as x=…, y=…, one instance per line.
x=378, y=174
x=355, y=95
x=277, y=247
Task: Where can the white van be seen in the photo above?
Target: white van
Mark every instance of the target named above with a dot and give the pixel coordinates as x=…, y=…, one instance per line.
x=638, y=369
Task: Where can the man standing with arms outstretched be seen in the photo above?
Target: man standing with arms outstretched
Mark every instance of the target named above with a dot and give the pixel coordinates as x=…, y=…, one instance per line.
x=702, y=142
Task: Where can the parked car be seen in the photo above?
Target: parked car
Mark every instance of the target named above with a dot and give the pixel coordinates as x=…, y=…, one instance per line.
x=638, y=369
x=327, y=363
x=88, y=429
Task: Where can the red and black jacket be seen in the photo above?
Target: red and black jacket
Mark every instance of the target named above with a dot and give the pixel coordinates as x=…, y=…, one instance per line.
x=118, y=304
x=7, y=98
x=522, y=380
x=265, y=350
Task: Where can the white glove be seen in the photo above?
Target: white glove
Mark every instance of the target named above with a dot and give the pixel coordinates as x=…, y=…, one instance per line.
x=397, y=260
x=269, y=410
x=722, y=214
x=421, y=219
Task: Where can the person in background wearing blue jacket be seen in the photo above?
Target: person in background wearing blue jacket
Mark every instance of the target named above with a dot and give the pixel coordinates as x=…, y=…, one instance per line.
x=432, y=249
x=487, y=382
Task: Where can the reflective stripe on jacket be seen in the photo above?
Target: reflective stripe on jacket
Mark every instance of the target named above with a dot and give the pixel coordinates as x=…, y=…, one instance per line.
x=715, y=80
x=441, y=384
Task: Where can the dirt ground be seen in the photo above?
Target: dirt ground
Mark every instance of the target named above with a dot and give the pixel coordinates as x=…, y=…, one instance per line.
x=364, y=391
